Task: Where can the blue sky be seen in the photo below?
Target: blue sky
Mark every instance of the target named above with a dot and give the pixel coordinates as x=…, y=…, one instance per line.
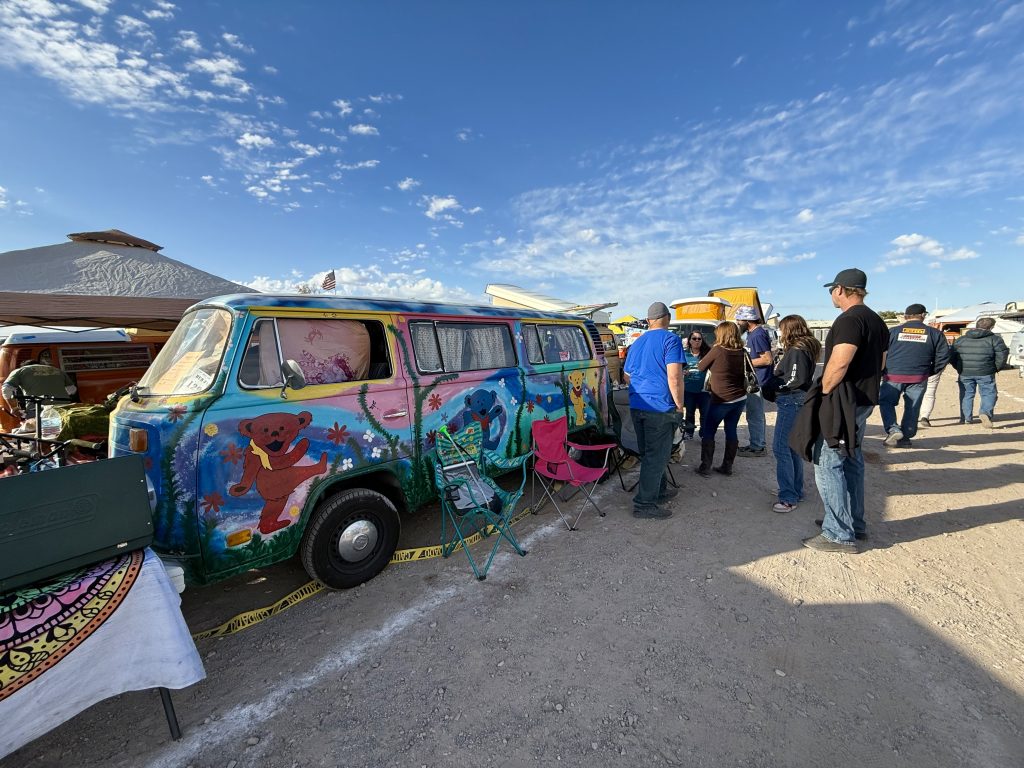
x=595, y=151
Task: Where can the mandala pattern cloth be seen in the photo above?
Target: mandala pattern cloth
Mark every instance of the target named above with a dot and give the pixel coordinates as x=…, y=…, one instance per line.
x=40, y=625
x=86, y=636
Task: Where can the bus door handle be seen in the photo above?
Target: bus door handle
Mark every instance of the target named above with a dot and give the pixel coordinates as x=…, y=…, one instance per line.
x=395, y=414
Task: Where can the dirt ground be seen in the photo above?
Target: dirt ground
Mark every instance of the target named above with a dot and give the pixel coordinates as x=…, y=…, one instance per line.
x=710, y=639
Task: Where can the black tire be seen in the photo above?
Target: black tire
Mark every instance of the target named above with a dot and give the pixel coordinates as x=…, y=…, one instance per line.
x=333, y=516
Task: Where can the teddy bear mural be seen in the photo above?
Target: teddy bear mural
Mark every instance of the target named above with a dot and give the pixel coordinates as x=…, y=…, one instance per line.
x=271, y=466
x=483, y=408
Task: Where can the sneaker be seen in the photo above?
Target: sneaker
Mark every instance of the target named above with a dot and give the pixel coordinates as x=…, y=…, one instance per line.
x=892, y=438
x=923, y=423
x=670, y=493
x=859, y=536
x=904, y=442
x=822, y=544
x=652, y=512
x=782, y=507
x=749, y=450
x=986, y=421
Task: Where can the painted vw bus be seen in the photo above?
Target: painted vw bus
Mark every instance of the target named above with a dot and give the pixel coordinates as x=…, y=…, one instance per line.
x=272, y=425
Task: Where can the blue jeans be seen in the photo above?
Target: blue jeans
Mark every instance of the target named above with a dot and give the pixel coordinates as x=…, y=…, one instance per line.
x=654, y=433
x=840, y=480
x=889, y=398
x=718, y=413
x=789, y=465
x=695, y=401
x=755, y=420
x=986, y=386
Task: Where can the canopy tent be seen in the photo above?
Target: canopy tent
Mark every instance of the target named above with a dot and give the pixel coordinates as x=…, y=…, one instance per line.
x=505, y=295
x=110, y=263
x=54, y=309
x=970, y=314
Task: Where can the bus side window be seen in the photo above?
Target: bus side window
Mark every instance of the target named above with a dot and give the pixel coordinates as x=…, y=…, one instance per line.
x=261, y=366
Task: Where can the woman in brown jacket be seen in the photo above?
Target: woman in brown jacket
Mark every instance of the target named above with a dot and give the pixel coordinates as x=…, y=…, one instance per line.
x=728, y=396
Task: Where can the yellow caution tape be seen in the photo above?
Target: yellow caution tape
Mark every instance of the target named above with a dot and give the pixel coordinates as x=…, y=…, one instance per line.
x=249, y=618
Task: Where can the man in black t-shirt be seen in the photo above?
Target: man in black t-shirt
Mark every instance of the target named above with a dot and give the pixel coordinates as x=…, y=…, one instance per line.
x=854, y=358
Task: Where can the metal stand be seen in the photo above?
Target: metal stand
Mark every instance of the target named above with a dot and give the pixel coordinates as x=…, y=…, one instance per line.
x=172, y=718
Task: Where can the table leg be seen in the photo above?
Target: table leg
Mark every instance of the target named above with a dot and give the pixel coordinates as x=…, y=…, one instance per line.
x=172, y=718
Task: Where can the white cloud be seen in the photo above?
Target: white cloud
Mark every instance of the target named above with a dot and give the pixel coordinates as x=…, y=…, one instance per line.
x=436, y=206
x=96, y=6
x=344, y=107
x=258, y=192
x=409, y=183
x=372, y=281
x=739, y=60
x=362, y=129
x=385, y=98
x=465, y=134
x=805, y=216
x=737, y=270
x=588, y=236
x=1019, y=240
x=236, y=42
x=499, y=240
x=163, y=10
x=960, y=254
x=128, y=26
x=209, y=180
x=188, y=40
x=269, y=69
x=223, y=72
x=254, y=141
x=3, y=198
x=358, y=166
x=307, y=149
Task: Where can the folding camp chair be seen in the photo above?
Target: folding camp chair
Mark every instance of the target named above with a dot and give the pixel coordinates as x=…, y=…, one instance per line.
x=471, y=502
x=629, y=444
x=552, y=463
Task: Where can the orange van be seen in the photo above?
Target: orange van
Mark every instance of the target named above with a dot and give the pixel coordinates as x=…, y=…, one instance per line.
x=98, y=361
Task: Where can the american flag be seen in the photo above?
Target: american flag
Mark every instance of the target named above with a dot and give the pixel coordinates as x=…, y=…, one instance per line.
x=329, y=282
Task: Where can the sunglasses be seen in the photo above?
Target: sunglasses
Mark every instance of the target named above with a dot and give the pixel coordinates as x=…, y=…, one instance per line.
x=696, y=338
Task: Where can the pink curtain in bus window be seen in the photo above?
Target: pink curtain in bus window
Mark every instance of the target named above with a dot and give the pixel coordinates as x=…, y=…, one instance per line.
x=327, y=351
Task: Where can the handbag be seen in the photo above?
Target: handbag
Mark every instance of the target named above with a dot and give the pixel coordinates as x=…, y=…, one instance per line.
x=749, y=377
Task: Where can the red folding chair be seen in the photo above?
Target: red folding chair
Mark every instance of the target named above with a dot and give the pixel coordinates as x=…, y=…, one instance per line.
x=552, y=463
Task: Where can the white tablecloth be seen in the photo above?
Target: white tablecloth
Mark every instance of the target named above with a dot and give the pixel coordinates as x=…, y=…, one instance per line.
x=143, y=644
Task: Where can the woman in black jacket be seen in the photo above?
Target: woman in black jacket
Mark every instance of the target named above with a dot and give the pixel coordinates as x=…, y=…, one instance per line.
x=793, y=376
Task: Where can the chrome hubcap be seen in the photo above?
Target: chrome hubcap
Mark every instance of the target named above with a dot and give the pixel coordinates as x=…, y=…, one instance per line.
x=357, y=541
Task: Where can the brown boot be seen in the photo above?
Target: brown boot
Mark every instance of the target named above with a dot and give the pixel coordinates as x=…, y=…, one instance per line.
x=731, y=446
x=707, y=455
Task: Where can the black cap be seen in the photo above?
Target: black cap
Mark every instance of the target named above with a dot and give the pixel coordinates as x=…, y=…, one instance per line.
x=916, y=309
x=850, y=278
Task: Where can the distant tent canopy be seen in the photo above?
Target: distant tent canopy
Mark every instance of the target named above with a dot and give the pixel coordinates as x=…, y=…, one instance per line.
x=109, y=263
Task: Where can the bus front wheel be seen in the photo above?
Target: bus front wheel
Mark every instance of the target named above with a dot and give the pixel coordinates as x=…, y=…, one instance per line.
x=350, y=538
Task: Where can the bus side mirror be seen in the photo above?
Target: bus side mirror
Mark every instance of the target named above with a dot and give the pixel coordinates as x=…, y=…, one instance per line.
x=292, y=374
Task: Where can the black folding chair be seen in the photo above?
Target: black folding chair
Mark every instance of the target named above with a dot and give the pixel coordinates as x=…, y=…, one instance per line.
x=629, y=446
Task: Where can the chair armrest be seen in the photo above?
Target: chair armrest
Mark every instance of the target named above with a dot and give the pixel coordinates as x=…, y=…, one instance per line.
x=601, y=447
x=505, y=465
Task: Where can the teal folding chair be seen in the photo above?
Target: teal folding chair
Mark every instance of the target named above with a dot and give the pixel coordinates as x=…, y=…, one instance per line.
x=471, y=502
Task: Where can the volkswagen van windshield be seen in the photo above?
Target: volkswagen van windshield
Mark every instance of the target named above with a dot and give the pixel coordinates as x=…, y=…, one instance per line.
x=189, y=362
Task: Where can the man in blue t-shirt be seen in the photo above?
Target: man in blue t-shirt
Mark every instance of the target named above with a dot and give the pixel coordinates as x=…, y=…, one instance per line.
x=759, y=348
x=654, y=372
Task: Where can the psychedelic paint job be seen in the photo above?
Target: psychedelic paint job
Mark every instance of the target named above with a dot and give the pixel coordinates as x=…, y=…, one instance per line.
x=239, y=472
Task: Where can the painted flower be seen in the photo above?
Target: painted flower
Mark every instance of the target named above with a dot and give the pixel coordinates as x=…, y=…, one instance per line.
x=538, y=399
x=431, y=438
x=501, y=382
x=368, y=436
x=232, y=454
x=175, y=412
x=434, y=402
x=212, y=502
x=337, y=434
x=530, y=406
x=376, y=452
x=346, y=465
x=513, y=401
